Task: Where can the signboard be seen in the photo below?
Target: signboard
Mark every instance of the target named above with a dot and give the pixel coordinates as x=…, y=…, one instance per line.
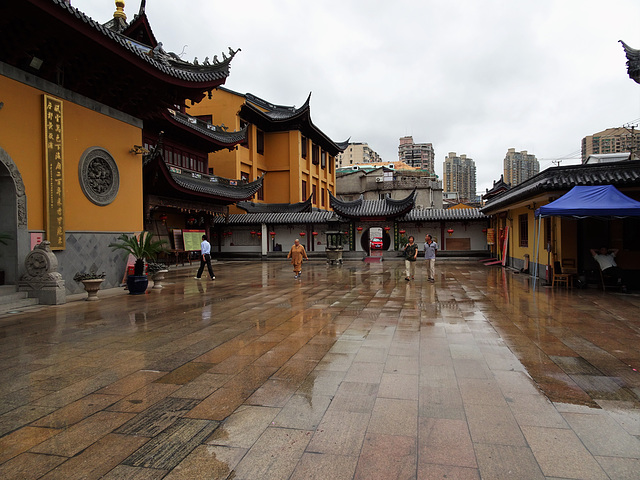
x=36, y=238
x=192, y=239
x=54, y=173
x=491, y=236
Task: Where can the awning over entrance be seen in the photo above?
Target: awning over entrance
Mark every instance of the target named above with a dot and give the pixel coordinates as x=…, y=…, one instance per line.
x=592, y=201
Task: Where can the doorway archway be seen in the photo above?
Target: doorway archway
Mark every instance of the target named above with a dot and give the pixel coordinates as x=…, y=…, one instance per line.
x=365, y=240
x=13, y=211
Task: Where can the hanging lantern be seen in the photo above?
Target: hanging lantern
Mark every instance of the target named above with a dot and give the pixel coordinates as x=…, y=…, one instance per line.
x=273, y=234
x=386, y=229
x=314, y=233
x=484, y=230
x=402, y=232
x=253, y=233
x=163, y=217
x=359, y=229
x=346, y=233
x=302, y=234
x=450, y=231
x=191, y=220
x=229, y=233
x=259, y=234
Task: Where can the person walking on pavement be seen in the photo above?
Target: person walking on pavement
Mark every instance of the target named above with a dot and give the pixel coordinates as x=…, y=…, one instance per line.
x=296, y=254
x=430, y=249
x=410, y=255
x=205, y=259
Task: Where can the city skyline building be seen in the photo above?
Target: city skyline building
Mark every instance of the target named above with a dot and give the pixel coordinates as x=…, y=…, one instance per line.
x=357, y=153
x=611, y=140
x=419, y=155
x=519, y=166
x=459, y=176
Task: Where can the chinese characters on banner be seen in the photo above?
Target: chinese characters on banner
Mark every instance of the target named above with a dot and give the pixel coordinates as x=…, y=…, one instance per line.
x=54, y=173
x=491, y=236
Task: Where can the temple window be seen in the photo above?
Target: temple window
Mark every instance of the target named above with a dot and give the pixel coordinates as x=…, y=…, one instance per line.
x=303, y=147
x=259, y=142
x=524, y=230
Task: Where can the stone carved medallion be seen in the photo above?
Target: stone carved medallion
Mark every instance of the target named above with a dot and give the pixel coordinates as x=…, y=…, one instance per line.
x=99, y=177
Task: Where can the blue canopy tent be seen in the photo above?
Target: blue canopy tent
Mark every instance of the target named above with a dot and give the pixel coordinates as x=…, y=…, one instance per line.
x=604, y=201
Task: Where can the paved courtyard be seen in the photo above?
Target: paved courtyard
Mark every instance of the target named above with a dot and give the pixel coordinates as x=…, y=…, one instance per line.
x=350, y=372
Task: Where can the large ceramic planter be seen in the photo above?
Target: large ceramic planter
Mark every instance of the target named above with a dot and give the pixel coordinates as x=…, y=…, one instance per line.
x=137, y=284
x=158, y=277
x=92, y=286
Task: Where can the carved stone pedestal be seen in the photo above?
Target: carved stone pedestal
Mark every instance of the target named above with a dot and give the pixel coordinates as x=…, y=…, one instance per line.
x=42, y=281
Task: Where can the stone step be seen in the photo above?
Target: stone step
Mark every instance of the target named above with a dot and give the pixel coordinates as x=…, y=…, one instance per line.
x=10, y=295
x=18, y=305
x=11, y=299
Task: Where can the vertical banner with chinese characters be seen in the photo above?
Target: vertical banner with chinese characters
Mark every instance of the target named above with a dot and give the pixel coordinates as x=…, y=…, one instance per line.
x=54, y=173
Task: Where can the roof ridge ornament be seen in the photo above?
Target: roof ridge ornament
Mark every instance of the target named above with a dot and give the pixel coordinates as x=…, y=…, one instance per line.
x=119, y=13
x=633, y=61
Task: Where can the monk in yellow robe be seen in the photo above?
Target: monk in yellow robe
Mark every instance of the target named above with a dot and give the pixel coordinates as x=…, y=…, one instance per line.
x=296, y=254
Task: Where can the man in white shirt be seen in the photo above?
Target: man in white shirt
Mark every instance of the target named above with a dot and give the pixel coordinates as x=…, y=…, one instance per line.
x=205, y=259
x=606, y=259
x=430, y=249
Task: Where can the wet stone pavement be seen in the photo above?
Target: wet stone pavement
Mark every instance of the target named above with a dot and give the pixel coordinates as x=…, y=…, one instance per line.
x=349, y=373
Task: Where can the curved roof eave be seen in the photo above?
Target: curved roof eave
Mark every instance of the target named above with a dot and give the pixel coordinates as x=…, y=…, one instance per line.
x=218, y=137
x=191, y=77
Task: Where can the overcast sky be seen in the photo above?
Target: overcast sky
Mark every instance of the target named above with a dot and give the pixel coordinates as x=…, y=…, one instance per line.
x=470, y=76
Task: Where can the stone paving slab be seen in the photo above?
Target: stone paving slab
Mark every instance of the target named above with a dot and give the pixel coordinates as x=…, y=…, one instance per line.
x=349, y=373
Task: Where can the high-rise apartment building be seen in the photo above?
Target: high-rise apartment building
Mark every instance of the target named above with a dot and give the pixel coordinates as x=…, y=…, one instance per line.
x=357, y=153
x=459, y=176
x=519, y=166
x=611, y=140
x=419, y=155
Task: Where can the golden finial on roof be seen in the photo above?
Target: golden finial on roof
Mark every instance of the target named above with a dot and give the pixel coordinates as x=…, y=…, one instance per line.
x=119, y=13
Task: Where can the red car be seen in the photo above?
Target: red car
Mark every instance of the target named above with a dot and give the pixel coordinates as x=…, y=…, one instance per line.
x=376, y=243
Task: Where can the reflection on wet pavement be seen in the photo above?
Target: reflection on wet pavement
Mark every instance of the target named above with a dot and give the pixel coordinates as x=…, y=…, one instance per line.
x=351, y=372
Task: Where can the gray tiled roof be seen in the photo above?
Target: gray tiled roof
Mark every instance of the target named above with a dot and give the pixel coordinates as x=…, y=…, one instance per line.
x=251, y=207
x=415, y=215
x=275, y=218
x=211, y=185
x=278, y=112
x=437, y=214
x=618, y=174
x=373, y=208
x=215, y=132
x=179, y=70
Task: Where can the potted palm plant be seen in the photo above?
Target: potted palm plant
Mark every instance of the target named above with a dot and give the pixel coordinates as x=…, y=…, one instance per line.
x=142, y=247
x=91, y=282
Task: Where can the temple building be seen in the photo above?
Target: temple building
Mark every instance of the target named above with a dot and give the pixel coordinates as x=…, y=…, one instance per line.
x=95, y=140
x=282, y=142
x=514, y=236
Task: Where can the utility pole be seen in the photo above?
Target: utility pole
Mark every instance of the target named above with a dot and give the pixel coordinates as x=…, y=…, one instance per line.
x=633, y=140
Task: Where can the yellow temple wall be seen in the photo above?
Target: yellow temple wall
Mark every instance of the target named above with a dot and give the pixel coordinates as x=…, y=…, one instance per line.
x=21, y=136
